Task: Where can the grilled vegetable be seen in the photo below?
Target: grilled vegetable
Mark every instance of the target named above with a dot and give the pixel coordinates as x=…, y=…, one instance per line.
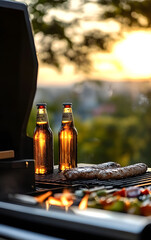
x=101, y=193
x=118, y=206
x=121, y=192
x=146, y=208
x=133, y=200
x=133, y=192
x=134, y=207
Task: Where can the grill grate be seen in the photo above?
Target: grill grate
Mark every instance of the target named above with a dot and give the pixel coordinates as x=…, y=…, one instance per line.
x=59, y=180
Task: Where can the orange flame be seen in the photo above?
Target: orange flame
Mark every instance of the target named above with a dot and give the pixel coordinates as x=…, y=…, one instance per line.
x=54, y=201
x=41, y=198
x=63, y=200
x=84, y=202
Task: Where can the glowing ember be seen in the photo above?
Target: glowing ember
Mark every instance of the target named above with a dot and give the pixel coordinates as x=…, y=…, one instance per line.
x=84, y=202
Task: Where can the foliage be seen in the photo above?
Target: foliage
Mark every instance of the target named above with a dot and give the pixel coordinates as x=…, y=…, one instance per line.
x=112, y=139
x=59, y=39
x=124, y=136
x=62, y=38
x=129, y=13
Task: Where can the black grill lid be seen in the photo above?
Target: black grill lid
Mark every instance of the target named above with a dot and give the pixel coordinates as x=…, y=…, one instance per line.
x=18, y=77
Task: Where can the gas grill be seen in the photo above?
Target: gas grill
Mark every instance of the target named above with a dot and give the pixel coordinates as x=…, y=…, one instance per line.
x=18, y=68
x=24, y=214
x=22, y=218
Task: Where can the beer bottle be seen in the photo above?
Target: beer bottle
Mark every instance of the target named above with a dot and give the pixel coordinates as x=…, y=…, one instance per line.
x=43, y=142
x=67, y=140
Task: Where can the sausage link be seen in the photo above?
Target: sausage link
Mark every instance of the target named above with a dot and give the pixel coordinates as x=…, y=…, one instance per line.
x=81, y=173
x=123, y=172
x=106, y=165
x=88, y=172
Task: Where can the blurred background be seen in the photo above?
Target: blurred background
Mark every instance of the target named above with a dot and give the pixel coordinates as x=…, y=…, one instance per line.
x=97, y=55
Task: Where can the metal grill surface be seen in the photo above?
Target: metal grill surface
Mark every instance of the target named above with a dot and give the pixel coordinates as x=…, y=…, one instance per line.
x=58, y=180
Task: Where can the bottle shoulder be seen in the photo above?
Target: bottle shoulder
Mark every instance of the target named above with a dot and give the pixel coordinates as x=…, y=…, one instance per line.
x=42, y=128
x=70, y=129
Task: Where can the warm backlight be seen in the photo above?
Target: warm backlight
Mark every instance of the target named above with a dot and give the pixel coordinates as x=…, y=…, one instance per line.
x=40, y=170
x=134, y=54
x=65, y=142
x=41, y=139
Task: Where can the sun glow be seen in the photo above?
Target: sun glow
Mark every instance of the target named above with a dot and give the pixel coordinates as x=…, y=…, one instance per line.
x=130, y=59
x=134, y=54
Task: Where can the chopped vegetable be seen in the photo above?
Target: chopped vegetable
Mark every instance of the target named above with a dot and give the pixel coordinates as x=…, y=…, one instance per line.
x=93, y=204
x=134, y=207
x=145, y=191
x=146, y=208
x=117, y=206
x=101, y=193
x=121, y=192
x=133, y=192
x=133, y=200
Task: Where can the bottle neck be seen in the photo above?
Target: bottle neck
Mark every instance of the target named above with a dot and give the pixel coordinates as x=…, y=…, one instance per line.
x=67, y=117
x=42, y=117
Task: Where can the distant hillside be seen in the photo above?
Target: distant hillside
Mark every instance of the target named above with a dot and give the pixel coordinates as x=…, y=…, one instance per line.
x=88, y=90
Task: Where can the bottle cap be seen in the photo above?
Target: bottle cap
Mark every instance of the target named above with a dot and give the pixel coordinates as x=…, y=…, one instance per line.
x=67, y=104
x=41, y=105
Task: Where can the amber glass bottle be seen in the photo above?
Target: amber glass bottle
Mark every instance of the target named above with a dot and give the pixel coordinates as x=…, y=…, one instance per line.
x=43, y=142
x=67, y=140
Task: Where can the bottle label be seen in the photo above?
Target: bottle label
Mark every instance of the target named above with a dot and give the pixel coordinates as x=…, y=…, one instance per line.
x=42, y=118
x=67, y=117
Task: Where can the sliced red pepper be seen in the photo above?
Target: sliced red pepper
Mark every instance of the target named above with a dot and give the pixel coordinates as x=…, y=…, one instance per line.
x=145, y=191
x=146, y=210
x=121, y=193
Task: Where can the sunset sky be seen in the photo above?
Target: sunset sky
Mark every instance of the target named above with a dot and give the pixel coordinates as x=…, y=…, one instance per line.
x=129, y=59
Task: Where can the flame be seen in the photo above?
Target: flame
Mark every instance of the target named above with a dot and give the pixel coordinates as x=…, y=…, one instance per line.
x=66, y=199
x=63, y=200
x=84, y=202
x=43, y=197
x=54, y=201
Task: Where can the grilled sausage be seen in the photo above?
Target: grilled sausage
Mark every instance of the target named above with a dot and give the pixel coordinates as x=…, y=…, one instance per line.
x=88, y=172
x=81, y=173
x=123, y=172
x=106, y=165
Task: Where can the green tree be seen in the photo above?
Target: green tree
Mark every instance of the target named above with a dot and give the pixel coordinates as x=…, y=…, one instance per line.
x=58, y=26
x=111, y=139
x=128, y=13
